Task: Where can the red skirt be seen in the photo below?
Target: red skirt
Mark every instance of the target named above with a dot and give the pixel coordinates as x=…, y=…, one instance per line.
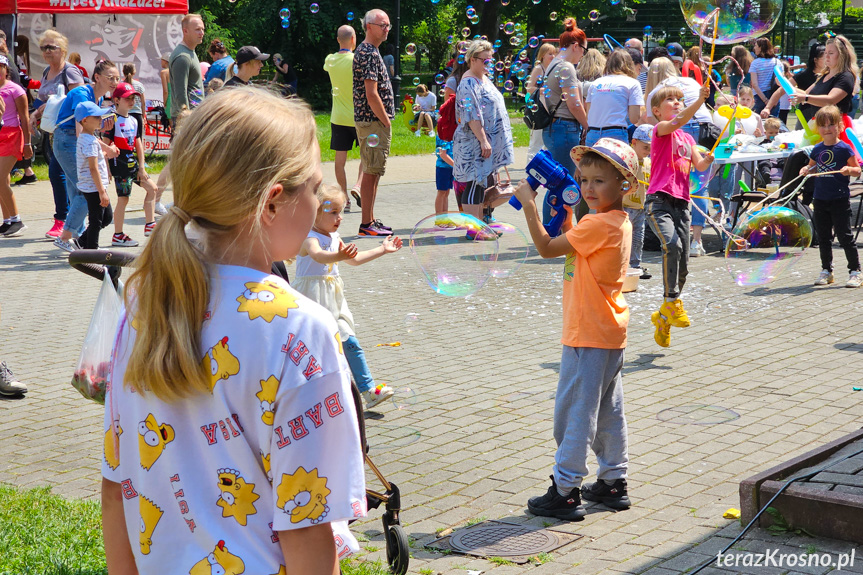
x=12, y=142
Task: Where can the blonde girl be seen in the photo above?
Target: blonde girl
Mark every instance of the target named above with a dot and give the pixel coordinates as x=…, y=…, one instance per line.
x=318, y=279
x=231, y=442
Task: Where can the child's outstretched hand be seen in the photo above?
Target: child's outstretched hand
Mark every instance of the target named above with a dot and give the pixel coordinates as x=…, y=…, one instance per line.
x=524, y=193
x=392, y=244
x=347, y=252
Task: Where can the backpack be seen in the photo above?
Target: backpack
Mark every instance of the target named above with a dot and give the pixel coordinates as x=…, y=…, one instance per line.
x=539, y=119
x=49, y=122
x=447, y=123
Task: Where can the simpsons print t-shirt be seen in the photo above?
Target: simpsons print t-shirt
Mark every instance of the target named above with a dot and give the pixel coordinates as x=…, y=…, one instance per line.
x=209, y=480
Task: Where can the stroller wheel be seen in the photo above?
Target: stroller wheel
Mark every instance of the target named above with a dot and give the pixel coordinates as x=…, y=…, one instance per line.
x=398, y=550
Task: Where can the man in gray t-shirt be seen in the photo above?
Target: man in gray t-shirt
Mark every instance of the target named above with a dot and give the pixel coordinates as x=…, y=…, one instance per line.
x=187, y=86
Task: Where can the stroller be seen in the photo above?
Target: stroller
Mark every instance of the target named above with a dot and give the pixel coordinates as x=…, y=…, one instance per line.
x=95, y=263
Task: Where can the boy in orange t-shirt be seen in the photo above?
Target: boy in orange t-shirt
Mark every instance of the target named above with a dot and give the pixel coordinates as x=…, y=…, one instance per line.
x=588, y=410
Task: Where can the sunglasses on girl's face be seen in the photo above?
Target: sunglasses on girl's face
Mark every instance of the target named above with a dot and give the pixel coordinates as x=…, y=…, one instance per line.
x=49, y=48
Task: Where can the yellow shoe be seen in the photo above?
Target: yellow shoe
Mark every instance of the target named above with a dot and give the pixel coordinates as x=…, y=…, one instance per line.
x=674, y=313
x=663, y=329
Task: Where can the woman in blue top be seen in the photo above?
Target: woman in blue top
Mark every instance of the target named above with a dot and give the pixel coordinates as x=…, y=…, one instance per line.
x=761, y=76
x=105, y=79
x=221, y=62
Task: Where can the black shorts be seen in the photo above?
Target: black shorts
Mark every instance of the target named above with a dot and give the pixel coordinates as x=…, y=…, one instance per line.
x=474, y=192
x=343, y=138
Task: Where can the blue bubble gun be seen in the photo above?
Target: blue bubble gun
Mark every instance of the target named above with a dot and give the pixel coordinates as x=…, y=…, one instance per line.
x=562, y=188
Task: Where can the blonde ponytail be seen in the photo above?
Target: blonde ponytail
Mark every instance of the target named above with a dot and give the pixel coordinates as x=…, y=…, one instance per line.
x=232, y=150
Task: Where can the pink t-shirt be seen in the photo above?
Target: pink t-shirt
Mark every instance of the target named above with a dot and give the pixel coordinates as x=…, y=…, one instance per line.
x=9, y=91
x=670, y=163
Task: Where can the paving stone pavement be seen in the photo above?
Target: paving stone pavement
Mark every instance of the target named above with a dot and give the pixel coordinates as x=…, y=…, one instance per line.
x=777, y=362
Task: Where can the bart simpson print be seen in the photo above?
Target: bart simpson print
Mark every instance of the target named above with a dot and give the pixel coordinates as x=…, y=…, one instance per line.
x=303, y=495
x=267, y=397
x=238, y=497
x=266, y=300
x=220, y=363
x=152, y=439
x=220, y=561
x=112, y=454
x=150, y=515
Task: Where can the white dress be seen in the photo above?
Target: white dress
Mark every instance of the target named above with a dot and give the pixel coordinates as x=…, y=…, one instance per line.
x=322, y=283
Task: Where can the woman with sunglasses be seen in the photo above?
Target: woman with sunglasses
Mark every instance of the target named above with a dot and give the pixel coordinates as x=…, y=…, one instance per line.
x=482, y=143
x=59, y=72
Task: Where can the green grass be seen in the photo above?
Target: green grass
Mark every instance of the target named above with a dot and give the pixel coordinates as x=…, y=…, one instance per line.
x=45, y=534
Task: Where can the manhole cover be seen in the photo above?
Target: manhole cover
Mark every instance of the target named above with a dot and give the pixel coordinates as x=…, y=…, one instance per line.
x=697, y=414
x=504, y=540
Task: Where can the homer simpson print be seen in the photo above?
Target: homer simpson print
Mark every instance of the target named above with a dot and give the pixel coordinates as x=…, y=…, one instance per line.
x=150, y=515
x=237, y=497
x=303, y=495
x=219, y=561
x=267, y=397
x=266, y=300
x=112, y=453
x=220, y=363
x=152, y=439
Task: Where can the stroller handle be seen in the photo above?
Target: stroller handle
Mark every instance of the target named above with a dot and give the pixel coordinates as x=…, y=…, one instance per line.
x=95, y=262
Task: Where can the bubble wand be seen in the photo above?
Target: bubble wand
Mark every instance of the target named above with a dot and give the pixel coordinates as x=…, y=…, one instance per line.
x=713, y=45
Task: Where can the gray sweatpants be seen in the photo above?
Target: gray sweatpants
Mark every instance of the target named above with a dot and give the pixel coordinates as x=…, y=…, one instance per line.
x=588, y=414
x=669, y=218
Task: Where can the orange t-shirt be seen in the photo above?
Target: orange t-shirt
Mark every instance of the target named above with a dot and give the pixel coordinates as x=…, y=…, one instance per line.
x=595, y=313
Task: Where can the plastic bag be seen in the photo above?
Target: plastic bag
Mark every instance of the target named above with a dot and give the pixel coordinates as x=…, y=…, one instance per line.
x=52, y=109
x=94, y=365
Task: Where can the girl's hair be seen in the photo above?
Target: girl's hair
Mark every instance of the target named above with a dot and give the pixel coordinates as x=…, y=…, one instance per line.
x=422, y=90
x=331, y=194
x=847, y=61
x=246, y=135
x=475, y=48
x=828, y=116
x=620, y=62
x=55, y=37
x=773, y=123
x=766, y=47
x=459, y=69
x=129, y=72
x=544, y=49
x=102, y=66
x=217, y=47
x=660, y=70
x=694, y=54
x=745, y=91
x=74, y=58
x=815, y=51
x=572, y=34
x=214, y=85
x=179, y=118
x=663, y=93
x=743, y=58
x=591, y=65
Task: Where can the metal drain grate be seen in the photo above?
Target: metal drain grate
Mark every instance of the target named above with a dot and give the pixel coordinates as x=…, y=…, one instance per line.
x=697, y=414
x=515, y=541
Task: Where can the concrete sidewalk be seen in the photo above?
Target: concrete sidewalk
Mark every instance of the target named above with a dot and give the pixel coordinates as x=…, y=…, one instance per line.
x=775, y=365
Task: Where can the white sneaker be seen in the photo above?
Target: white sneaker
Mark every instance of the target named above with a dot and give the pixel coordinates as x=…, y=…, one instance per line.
x=855, y=280
x=9, y=385
x=69, y=246
x=123, y=241
x=824, y=278
x=160, y=209
x=696, y=249
x=377, y=394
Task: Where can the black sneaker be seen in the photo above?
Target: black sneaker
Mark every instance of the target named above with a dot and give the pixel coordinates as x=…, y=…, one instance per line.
x=381, y=225
x=31, y=179
x=645, y=275
x=613, y=495
x=15, y=229
x=372, y=230
x=553, y=504
x=4, y=227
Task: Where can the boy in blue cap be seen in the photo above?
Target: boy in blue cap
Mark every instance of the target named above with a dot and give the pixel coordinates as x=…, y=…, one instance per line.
x=92, y=172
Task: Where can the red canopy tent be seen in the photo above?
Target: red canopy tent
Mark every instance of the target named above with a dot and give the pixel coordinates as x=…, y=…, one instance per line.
x=94, y=7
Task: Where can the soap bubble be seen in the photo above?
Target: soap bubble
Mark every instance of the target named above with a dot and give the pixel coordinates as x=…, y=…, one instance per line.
x=314, y=8
x=625, y=186
x=439, y=78
x=533, y=42
x=593, y=15
x=284, y=13
x=738, y=21
x=435, y=1
x=537, y=1
x=615, y=2
x=404, y=397
x=509, y=28
x=683, y=32
x=771, y=240
x=286, y=23
x=456, y=252
x=474, y=19
x=412, y=322
x=521, y=74
x=508, y=86
x=411, y=49
x=648, y=30
x=450, y=39
x=373, y=140
x=504, y=2
x=533, y=106
x=512, y=251
x=327, y=206
x=465, y=32
x=335, y=91
x=698, y=180
x=349, y=16
x=552, y=16
x=416, y=81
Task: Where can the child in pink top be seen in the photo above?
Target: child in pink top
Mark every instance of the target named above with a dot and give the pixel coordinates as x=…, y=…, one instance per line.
x=673, y=154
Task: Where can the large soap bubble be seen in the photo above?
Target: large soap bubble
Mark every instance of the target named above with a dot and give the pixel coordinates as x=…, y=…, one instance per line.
x=765, y=243
x=456, y=252
x=513, y=249
x=698, y=180
x=738, y=20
